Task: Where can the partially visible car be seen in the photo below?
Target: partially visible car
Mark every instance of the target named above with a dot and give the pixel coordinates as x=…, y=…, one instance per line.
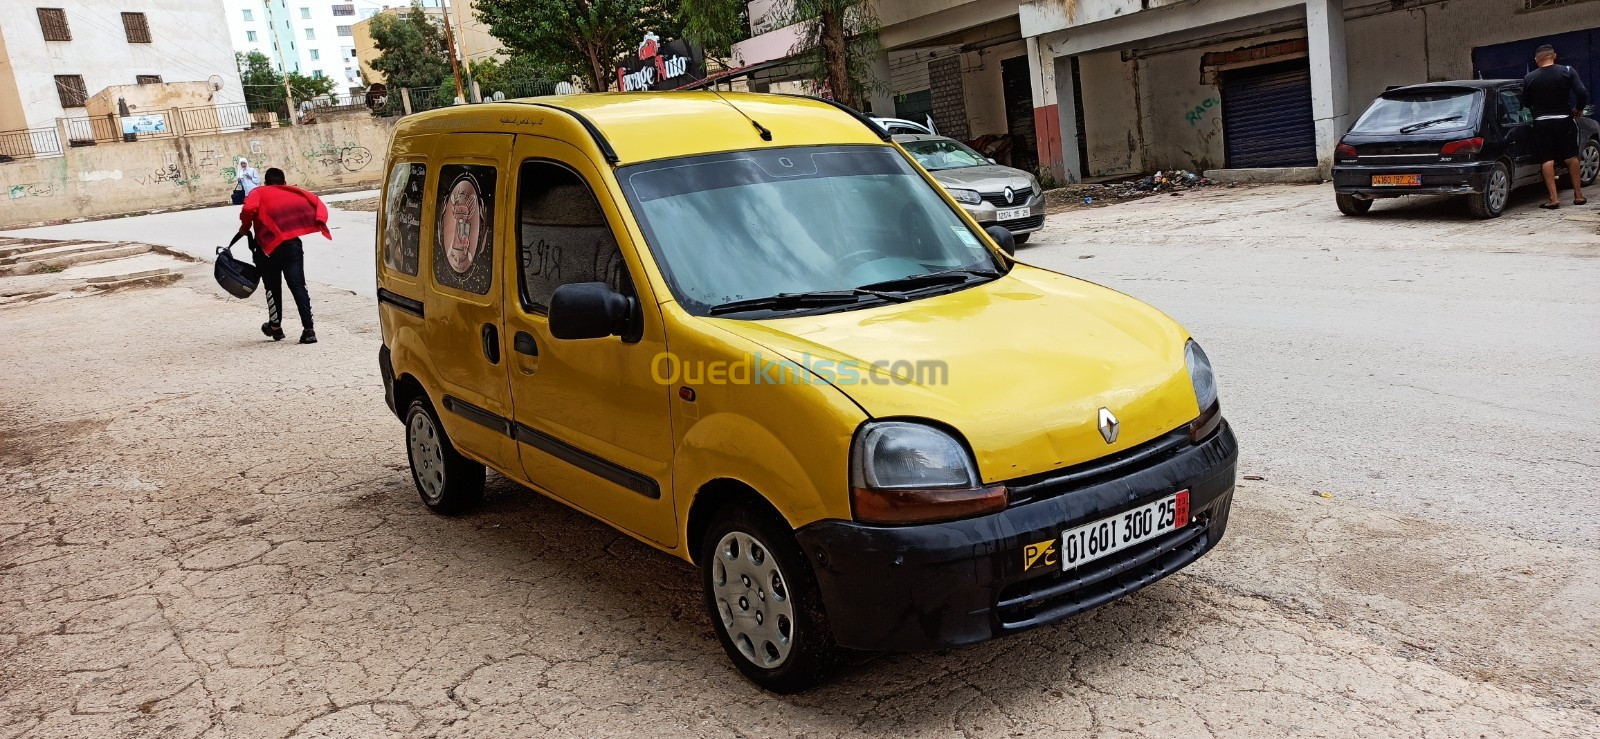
x=898, y=126
x=1467, y=137
x=991, y=193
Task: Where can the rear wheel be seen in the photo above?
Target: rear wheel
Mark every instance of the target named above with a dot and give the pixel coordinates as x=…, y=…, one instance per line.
x=1491, y=201
x=448, y=482
x=763, y=601
x=1589, y=163
x=1351, y=205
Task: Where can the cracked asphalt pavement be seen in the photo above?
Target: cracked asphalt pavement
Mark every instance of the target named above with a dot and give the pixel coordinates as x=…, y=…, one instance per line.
x=203, y=533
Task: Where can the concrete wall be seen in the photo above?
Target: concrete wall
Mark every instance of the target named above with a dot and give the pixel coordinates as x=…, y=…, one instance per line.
x=986, y=100
x=186, y=45
x=170, y=173
x=151, y=98
x=1172, y=115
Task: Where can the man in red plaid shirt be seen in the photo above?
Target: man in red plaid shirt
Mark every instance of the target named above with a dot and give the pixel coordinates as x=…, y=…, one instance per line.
x=280, y=215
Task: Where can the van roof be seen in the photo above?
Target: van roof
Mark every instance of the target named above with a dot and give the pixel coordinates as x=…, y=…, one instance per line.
x=632, y=127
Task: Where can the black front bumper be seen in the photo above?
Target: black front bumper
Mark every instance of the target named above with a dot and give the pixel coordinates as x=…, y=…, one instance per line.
x=907, y=588
x=1437, y=179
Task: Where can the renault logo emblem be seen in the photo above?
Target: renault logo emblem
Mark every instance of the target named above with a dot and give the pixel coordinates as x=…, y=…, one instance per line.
x=1108, y=425
x=1011, y=196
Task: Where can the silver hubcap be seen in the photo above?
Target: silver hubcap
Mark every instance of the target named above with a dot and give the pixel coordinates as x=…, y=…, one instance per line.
x=1499, y=187
x=427, y=457
x=1590, y=168
x=753, y=599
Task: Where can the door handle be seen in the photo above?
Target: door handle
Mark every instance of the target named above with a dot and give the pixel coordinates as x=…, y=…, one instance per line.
x=491, y=343
x=523, y=343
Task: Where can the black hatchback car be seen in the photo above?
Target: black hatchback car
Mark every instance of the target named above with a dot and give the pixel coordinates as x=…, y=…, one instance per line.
x=1470, y=137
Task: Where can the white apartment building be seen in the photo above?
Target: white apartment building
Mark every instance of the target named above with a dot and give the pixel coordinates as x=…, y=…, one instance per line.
x=57, y=54
x=312, y=37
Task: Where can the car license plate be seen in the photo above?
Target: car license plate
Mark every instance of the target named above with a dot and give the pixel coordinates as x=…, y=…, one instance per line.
x=1011, y=214
x=1092, y=541
x=1396, y=180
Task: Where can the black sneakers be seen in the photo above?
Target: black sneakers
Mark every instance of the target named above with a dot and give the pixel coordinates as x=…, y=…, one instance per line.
x=308, y=337
x=272, y=330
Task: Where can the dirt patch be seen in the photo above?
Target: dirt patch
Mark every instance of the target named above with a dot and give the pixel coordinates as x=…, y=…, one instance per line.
x=38, y=443
x=366, y=205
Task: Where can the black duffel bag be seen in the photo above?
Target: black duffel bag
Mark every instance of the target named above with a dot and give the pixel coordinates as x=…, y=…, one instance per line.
x=239, y=278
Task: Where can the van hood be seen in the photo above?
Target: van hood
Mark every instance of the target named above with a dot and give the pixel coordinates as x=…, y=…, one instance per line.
x=1027, y=360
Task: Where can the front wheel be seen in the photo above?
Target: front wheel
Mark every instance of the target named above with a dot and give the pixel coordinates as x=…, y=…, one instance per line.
x=1020, y=239
x=1351, y=205
x=448, y=482
x=1589, y=163
x=1491, y=201
x=764, y=603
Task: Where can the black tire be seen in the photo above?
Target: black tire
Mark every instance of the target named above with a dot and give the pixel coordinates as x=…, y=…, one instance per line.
x=1496, y=194
x=447, y=482
x=812, y=655
x=1351, y=205
x=1589, y=160
x=1020, y=239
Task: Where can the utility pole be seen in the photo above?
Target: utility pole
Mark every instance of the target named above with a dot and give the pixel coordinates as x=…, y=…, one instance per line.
x=450, y=42
x=277, y=51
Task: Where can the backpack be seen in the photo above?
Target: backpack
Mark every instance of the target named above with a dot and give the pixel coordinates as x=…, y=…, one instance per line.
x=238, y=277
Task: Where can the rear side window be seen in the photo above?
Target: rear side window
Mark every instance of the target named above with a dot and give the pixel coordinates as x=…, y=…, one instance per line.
x=1512, y=111
x=562, y=235
x=402, y=217
x=463, y=247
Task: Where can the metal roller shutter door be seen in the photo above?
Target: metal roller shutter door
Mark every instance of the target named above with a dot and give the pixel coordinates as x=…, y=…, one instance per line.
x=1266, y=116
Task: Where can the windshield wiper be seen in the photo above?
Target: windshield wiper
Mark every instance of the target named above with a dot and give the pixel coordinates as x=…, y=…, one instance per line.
x=1419, y=126
x=929, y=279
x=786, y=301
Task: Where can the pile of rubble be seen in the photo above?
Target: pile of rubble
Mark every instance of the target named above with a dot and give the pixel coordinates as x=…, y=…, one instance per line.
x=1169, y=181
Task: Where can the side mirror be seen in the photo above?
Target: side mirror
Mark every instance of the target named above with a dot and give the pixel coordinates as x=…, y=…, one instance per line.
x=588, y=310
x=1001, y=237
x=991, y=160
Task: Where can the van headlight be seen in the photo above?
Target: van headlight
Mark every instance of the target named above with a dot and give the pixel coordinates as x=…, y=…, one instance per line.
x=908, y=472
x=965, y=197
x=1205, y=391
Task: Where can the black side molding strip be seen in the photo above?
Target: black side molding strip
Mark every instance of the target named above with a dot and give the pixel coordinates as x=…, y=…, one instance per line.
x=477, y=415
x=883, y=134
x=414, y=307
x=594, y=465
x=599, y=139
x=598, y=466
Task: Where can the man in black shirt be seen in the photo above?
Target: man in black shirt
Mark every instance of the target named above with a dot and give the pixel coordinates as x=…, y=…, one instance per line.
x=1549, y=92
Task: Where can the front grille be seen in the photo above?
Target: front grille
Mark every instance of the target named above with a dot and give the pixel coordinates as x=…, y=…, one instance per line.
x=1129, y=461
x=998, y=199
x=1046, y=599
x=1021, y=224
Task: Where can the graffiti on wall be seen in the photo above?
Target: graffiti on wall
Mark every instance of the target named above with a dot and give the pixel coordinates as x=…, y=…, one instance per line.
x=349, y=156
x=31, y=190
x=1198, y=112
x=171, y=174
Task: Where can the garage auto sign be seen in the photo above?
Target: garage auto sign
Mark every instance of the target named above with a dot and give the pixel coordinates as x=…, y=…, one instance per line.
x=661, y=66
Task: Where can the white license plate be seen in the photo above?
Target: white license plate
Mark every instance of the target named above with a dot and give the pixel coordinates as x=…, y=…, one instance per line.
x=1092, y=541
x=1010, y=214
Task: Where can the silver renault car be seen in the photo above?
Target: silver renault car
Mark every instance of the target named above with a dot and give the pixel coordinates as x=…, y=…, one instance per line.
x=990, y=193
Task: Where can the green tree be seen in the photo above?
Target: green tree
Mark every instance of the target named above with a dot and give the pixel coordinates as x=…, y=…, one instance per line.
x=517, y=76
x=716, y=24
x=412, y=51
x=305, y=88
x=263, y=86
x=839, y=38
x=577, y=37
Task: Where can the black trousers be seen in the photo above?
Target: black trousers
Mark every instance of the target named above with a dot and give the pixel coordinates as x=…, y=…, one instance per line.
x=287, y=263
